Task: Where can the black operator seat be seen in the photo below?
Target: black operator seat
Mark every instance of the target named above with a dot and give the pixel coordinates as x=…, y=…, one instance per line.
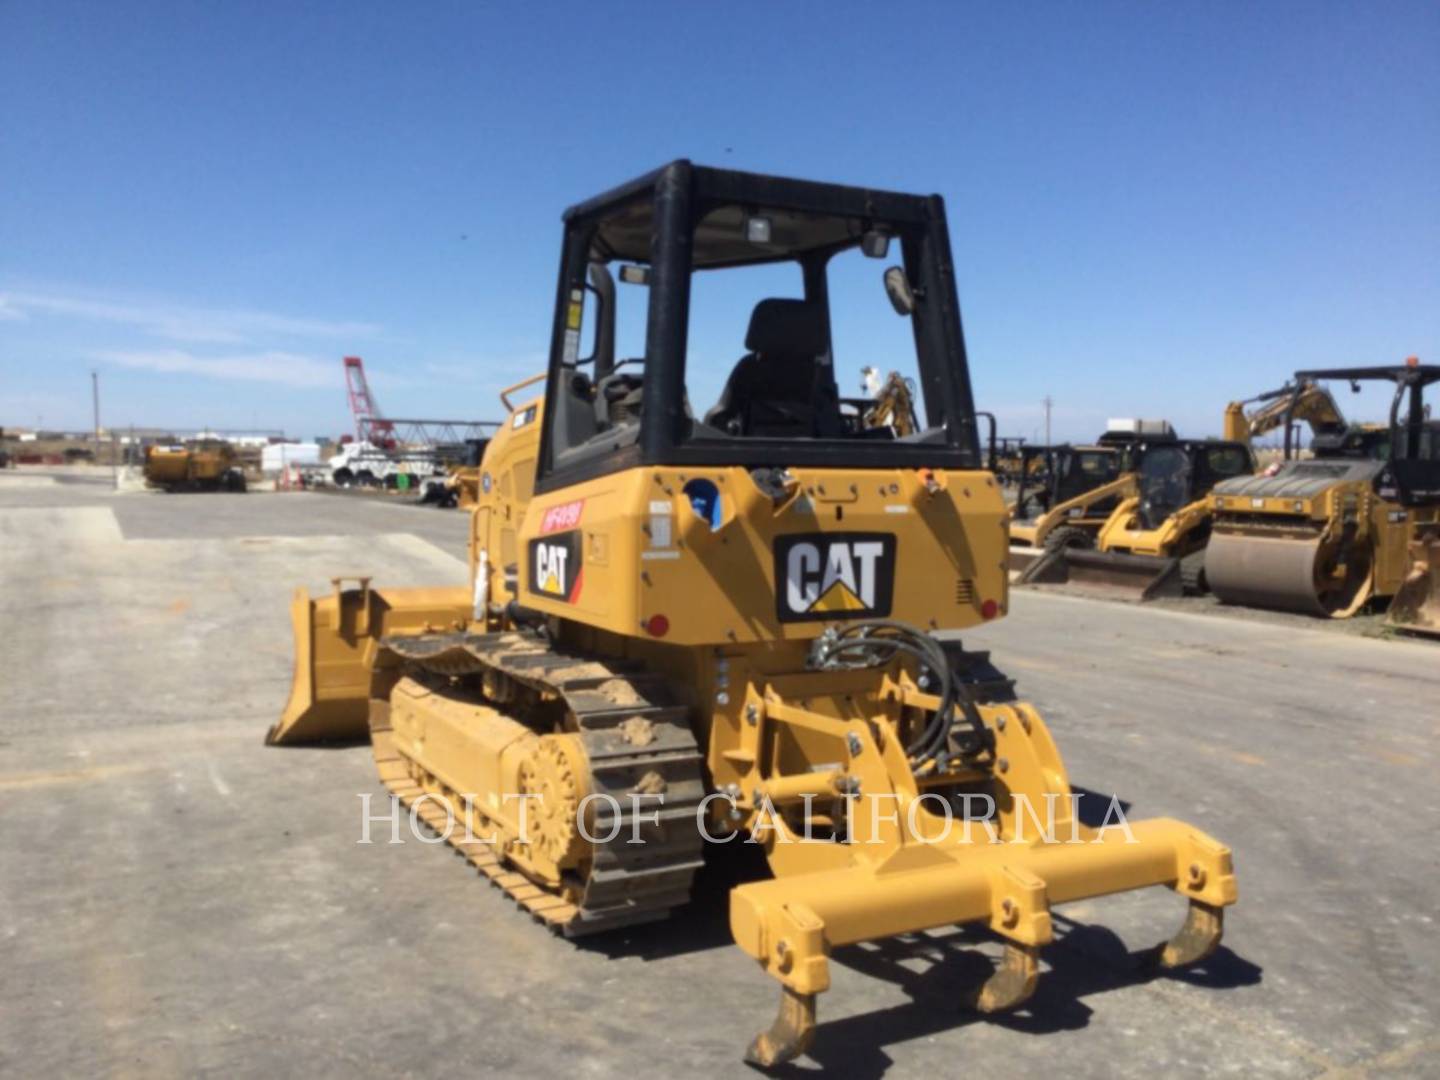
x=780, y=387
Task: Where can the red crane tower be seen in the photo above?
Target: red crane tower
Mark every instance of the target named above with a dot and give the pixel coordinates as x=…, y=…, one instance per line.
x=370, y=426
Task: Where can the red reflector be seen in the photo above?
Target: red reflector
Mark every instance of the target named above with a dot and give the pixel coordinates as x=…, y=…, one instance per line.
x=989, y=609
x=657, y=625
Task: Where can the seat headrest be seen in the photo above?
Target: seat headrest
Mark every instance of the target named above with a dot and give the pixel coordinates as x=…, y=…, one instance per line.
x=786, y=328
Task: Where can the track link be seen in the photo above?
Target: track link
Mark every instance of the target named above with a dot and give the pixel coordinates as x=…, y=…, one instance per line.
x=637, y=737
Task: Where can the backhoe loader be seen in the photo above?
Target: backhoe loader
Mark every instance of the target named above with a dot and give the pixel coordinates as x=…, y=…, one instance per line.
x=682, y=625
x=1358, y=521
x=1152, y=544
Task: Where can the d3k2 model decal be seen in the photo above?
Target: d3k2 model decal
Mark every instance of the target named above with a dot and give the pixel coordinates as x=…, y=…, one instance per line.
x=845, y=575
x=555, y=569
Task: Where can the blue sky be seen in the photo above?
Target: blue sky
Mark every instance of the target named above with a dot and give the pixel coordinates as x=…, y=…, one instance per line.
x=1153, y=209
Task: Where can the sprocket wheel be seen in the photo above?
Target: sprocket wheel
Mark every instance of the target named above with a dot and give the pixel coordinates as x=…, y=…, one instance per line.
x=555, y=774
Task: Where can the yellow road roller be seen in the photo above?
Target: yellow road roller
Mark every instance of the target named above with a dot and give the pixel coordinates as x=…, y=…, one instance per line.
x=1356, y=522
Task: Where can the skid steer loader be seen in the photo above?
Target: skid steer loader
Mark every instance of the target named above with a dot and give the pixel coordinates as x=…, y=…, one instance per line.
x=1359, y=520
x=1065, y=494
x=1153, y=543
x=683, y=625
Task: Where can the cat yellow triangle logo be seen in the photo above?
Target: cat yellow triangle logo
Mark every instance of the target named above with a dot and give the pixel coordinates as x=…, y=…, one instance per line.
x=552, y=585
x=838, y=598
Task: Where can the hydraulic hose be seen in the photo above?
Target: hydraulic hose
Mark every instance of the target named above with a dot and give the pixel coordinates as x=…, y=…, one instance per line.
x=876, y=644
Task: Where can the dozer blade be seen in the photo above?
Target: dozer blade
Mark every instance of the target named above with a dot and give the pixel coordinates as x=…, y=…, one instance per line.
x=1107, y=574
x=1415, y=608
x=337, y=640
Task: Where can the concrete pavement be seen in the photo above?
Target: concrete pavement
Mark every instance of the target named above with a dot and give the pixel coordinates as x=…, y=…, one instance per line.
x=176, y=898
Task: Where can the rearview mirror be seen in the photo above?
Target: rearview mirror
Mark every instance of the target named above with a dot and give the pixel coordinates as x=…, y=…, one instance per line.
x=897, y=287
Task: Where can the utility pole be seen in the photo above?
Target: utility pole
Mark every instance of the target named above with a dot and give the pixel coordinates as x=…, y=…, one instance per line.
x=95, y=400
x=1048, y=404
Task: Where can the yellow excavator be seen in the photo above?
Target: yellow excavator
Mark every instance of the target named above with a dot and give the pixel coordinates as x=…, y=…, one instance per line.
x=1301, y=400
x=1357, y=521
x=682, y=626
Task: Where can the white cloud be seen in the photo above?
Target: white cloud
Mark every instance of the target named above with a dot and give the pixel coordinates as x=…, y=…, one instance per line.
x=279, y=368
x=176, y=322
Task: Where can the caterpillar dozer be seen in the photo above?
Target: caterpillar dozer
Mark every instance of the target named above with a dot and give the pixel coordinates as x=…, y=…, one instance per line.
x=1357, y=521
x=203, y=465
x=682, y=626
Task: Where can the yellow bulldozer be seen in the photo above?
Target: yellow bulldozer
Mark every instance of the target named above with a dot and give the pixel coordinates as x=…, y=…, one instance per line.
x=685, y=626
x=1357, y=521
x=201, y=465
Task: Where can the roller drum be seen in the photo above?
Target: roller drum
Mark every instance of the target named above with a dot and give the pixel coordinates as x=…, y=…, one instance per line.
x=1263, y=571
x=1279, y=572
